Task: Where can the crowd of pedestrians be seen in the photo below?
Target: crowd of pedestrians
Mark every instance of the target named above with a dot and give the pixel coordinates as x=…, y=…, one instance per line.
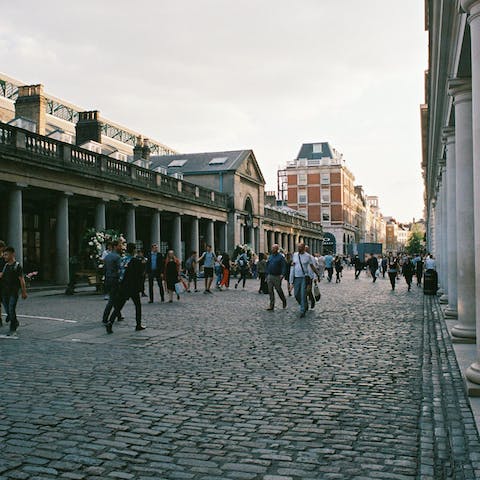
x=127, y=270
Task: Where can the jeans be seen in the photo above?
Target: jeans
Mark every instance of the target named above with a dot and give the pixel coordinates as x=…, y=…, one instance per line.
x=243, y=276
x=300, y=292
x=219, y=274
x=10, y=305
x=155, y=275
x=393, y=279
x=330, y=273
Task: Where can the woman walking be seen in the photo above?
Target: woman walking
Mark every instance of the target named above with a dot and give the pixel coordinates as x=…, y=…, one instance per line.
x=338, y=268
x=172, y=274
x=392, y=270
x=225, y=282
x=261, y=269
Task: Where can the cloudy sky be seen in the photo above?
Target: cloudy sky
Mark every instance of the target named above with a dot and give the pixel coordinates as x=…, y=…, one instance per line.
x=207, y=75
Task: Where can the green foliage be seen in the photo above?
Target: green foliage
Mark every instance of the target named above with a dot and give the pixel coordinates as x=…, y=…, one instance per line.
x=414, y=243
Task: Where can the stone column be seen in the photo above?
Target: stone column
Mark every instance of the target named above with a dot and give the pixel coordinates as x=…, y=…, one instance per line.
x=155, y=228
x=62, y=274
x=211, y=234
x=449, y=139
x=251, y=238
x=258, y=247
x=224, y=236
x=15, y=222
x=194, y=241
x=242, y=234
x=271, y=235
x=131, y=227
x=444, y=226
x=461, y=91
x=177, y=236
x=473, y=8
x=100, y=215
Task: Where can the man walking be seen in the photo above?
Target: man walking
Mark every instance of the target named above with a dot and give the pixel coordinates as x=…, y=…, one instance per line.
x=372, y=264
x=276, y=270
x=154, y=269
x=300, y=276
x=208, y=258
x=329, y=266
x=12, y=281
x=130, y=286
x=112, y=274
x=418, y=262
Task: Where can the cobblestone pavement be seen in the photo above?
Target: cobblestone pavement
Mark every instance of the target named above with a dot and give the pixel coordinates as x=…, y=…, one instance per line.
x=219, y=388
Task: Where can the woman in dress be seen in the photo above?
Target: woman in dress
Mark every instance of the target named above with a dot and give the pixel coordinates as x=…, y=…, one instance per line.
x=172, y=274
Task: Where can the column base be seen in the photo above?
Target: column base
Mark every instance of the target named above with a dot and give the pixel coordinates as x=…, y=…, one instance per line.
x=462, y=334
x=473, y=375
x=451, y=312
x=443, y=299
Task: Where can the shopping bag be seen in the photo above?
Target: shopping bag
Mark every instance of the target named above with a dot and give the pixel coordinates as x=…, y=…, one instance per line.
x=316, y=292
x=179, y=288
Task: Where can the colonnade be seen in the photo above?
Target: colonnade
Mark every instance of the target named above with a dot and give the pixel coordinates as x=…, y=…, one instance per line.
x=454, y=212
x=288, y=241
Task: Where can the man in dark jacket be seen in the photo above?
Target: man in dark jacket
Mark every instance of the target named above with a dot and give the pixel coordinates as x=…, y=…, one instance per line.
x=130, y=286
x=154, y=269
x=276, y=270
x=372, y=264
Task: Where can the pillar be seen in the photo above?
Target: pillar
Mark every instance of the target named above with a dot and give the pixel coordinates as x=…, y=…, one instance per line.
x=473, y=8
x=155, y=228
x=15, y=222
x=177, y=236
x=271, y=236
x=223, y=237
x=258, y=247
x=461, y=91
x=251, y=238
x=131, y=228
x=100, y=216
x=194, y=240
x=449, y=140
x=444, y=227
x=242, y=234
x=62, y=274
x=291, y=246
x=211, y=234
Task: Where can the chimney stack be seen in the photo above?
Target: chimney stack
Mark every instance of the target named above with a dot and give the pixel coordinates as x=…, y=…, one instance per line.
x=88, y=127
x=138, y=149
x=146, y=150
x=32, y=105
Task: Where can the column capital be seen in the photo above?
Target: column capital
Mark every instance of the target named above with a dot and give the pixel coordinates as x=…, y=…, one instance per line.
x=460, y=87
x=471, y=6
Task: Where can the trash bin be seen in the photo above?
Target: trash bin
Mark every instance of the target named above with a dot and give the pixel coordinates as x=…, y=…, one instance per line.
x=430, y=282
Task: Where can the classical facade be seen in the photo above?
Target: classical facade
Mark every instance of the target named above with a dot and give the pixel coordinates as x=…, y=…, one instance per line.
x=451, y=162
x=56, y=184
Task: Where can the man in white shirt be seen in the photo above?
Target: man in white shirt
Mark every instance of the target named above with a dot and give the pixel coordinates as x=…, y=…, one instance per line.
x=302, y=263
x=430, y=263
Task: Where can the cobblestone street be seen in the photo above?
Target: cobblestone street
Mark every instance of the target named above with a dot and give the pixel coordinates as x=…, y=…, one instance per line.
x=219, y=388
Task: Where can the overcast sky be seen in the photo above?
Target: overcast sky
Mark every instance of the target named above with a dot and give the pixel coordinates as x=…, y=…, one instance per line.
x=208, y=75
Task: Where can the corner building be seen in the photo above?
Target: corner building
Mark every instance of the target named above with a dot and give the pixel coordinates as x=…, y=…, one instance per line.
x=318, y=184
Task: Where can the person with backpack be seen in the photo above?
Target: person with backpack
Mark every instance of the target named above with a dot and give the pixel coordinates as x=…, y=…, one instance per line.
x=130, y=286
x=242, y=262
x=208, y=258
x=12, y=280
x=372, y=264
x=191, y=268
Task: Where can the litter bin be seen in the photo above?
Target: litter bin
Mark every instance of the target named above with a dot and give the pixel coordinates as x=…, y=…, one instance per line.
x=430, y=282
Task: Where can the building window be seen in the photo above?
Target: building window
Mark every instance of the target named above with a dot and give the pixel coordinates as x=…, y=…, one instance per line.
x=325, y=178
x=326, y=196
x=317, y=148
x=325, y=214
x=302, y=178
x=302, y=197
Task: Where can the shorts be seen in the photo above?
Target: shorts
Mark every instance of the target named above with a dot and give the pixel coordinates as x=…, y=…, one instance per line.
x=192, y=276
x=208, y=272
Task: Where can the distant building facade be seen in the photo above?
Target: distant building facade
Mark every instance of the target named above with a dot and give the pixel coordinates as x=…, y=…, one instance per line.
x=319, y=185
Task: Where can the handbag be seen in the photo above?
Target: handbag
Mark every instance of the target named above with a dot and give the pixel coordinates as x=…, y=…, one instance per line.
x=179, y=288
x=316, y=292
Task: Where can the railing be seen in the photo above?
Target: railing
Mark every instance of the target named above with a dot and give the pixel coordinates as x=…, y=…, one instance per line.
x=25, y=143
x=276, y=216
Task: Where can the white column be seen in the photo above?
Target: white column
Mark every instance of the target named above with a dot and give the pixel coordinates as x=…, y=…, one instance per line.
x=473, y=8
x=15, y=222
x=224, y=241
x=461, y=90
x=131, y=228
x=444, y=226
x=211, y=234
x=177, y=236
x=100, y=216
x=62, y=242
x=194, y=240
x=449, y=139
x=155, y=228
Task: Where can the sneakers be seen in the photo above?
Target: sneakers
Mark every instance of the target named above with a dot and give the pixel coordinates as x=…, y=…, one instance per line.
x=270, y=309
x=140, y=327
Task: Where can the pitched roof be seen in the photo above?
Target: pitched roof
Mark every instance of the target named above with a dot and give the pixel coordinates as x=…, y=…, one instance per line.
x=321, y=150
x=213, y=162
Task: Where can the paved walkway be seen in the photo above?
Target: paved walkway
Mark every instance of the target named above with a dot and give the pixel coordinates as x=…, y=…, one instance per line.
x=219, y=388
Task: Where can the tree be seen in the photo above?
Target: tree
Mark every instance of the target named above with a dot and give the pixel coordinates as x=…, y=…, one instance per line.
x=414, y=242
